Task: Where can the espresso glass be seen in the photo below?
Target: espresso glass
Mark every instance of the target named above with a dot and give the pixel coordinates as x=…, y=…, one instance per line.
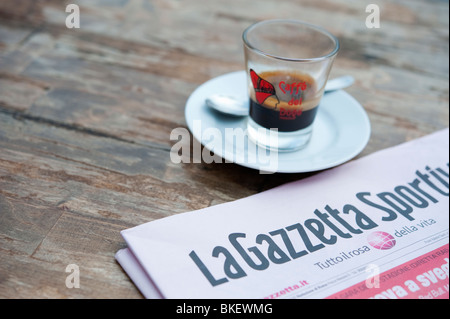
x=288, y=63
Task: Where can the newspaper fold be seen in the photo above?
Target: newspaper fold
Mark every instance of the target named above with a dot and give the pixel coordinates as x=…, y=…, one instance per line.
x=376, y=227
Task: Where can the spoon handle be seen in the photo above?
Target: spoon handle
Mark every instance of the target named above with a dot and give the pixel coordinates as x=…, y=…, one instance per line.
x=339, y=83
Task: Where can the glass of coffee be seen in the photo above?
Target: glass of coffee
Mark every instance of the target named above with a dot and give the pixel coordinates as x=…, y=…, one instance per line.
x=288, y=63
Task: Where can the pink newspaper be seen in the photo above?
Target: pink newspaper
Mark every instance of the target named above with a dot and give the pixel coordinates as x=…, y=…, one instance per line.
x=376, y=227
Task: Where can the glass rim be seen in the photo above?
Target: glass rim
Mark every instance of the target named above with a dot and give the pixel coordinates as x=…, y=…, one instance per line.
x=292, y=21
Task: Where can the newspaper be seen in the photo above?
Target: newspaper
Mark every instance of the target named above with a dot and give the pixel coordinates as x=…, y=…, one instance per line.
x=376, y=227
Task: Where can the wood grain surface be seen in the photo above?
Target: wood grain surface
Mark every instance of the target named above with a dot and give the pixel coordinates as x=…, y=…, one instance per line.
x=86, y=114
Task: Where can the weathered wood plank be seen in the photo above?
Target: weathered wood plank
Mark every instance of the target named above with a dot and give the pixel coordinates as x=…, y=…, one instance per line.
x=34, y=267
x=59, y=208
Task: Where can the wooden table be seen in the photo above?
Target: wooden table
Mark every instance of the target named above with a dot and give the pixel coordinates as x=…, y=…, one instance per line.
x=86, y=114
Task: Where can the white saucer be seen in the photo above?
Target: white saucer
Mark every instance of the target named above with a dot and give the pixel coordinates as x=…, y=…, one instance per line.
x=341, y=130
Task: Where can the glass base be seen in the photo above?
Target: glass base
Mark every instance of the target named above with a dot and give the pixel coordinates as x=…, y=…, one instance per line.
x=278, y=141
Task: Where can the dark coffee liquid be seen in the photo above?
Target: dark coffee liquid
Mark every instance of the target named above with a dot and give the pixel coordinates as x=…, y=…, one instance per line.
x=284, y=121
x=292, y=108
